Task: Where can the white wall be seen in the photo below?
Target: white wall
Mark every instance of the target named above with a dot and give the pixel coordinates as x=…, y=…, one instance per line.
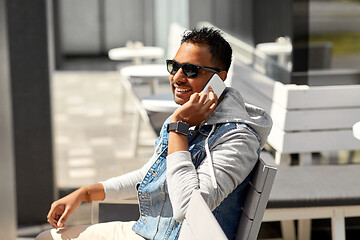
x=166, y=12
x=95, y=26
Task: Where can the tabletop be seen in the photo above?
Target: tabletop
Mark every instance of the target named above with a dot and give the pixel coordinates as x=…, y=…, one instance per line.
x=145, y=71
x=272, y=48
x=135, y=53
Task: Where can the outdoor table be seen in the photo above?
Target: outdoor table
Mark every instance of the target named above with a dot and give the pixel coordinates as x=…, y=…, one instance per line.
x=280, y=49
x=136, y=54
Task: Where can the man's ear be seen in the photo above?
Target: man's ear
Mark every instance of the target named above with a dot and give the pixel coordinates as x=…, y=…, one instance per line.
x=222, y=75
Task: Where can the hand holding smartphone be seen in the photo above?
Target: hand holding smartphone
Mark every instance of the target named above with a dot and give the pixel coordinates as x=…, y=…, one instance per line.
x=216, y=84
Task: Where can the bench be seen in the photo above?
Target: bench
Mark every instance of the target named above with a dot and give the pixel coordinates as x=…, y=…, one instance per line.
x=306, y=119
x=314, y=192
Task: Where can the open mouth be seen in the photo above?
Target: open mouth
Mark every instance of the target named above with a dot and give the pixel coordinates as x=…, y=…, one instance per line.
x=182, y=90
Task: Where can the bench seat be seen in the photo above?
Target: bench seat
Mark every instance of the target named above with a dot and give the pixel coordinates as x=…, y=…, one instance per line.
x=315, y=192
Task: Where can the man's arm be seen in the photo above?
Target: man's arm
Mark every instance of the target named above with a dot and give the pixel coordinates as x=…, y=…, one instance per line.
x=112, y=189
x=193, y=112
x=61, y=209
x=233, y=158
x=123, y=187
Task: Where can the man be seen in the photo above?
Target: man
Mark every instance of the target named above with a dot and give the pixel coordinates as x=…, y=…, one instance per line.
x=211, y=145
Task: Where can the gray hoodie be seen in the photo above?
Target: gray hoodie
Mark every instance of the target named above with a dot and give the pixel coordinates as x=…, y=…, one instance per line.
x=231, y=159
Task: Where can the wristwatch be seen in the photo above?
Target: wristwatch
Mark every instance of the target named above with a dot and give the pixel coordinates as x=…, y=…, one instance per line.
x=179, y=127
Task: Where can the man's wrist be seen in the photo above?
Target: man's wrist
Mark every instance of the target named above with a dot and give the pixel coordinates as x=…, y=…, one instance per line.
x=176, y=119
x=86, y=194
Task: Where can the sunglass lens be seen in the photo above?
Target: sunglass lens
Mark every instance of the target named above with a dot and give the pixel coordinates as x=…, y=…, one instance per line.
x=172, y=67
x=169, y=66
x=191, y=71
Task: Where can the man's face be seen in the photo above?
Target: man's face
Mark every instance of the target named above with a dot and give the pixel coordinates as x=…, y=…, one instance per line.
x=183, y=86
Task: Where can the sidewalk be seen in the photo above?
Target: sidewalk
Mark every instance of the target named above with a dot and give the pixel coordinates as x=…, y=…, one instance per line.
x=91, y=139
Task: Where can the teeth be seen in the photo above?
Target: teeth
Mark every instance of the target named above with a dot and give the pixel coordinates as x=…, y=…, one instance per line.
x=182, y=90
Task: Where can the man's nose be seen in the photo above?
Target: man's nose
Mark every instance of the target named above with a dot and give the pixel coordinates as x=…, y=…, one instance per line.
x=180, y=76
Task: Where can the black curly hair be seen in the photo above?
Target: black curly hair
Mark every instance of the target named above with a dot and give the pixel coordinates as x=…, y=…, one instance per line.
x=211, y=38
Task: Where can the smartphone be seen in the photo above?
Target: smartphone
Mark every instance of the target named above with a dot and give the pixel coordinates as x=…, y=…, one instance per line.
x=217, y=85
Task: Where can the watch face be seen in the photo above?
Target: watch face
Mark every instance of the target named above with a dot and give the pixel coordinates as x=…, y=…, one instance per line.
x=180, y=127
x=183, y=128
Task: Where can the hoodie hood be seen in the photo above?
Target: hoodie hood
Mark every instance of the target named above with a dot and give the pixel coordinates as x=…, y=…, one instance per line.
x=233, y=109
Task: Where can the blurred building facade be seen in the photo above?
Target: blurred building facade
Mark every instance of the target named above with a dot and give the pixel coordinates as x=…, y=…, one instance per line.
x=324, y=34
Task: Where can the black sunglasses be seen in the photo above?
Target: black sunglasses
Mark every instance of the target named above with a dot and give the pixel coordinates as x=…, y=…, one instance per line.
x=190, y=70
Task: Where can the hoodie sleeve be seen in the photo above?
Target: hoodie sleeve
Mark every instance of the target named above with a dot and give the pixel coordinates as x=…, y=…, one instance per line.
x=233, y=157
x=123, y=187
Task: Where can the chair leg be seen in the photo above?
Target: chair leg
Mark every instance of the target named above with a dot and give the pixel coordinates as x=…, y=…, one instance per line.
x=304, y=229
x=305, y=159
x=94, y=212
x=123, y=97
x=338, y=225
x=351, y=156
x=135, y=134
x=288, y=229
x=282, y=159
x=154, y=84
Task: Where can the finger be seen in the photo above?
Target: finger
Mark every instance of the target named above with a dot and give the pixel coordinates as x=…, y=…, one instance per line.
x=51, y=216
x=50, y=222
x=51, y=211
x=211, y=103
x=212, y=107
x=63, y=218
x=212, y=94
x=194, y=97
x=199, y=98
x=202, y=97
x=53, y=223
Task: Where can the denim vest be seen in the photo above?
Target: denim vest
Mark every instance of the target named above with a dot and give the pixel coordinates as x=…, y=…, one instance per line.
x=156, y=216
